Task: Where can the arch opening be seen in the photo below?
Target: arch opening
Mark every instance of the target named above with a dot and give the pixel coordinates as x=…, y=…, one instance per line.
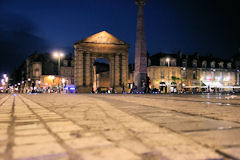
x=101, y=74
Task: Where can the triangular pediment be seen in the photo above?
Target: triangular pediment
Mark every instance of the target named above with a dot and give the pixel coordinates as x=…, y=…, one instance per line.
x=103, y=38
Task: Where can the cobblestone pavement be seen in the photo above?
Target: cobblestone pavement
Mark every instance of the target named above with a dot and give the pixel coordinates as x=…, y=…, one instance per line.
x=119, y=127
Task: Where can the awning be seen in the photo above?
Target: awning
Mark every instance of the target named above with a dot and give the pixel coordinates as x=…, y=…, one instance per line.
x=194, y=87
x=214, y=84
x=162, y=84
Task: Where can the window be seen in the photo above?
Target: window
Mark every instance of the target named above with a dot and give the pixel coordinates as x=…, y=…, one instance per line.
x=162, y=62
x=229, y=65
x=65, y=62
x=194, y=74
x=149, y=62
x=212, y=64
x=162, y=74
x=204, y=64
x=184, y=74
x=174, y=73
x=173, y=62
x=72, y=63
x=220, y=64
x=194, y=63
x=204, y=75
x=184, y=63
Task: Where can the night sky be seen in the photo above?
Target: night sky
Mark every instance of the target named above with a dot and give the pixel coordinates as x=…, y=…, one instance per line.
x=203, y=26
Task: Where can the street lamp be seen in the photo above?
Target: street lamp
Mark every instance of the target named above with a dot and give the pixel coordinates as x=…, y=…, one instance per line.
x=168, y=60
x=58, y=55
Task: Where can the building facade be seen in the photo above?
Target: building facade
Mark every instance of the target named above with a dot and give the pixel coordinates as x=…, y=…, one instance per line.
x=178, y=72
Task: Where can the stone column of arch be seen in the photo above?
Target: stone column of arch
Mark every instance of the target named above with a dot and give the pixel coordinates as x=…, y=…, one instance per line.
x=92, y=60
x=78, y=68
x=117, y=71
x=88, y=70
x=112, y=71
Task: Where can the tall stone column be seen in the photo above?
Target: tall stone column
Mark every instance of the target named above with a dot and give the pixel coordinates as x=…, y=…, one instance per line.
x=140, y=48
x=237, y=77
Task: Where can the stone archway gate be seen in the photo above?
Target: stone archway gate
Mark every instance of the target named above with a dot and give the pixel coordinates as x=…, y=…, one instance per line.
x=100, y=45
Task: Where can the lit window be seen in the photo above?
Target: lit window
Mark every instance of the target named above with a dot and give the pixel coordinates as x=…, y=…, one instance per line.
x=174, y=73
x=194, y=63
x=162, y=62
x=204, y=64
x=229, y=65
x=65, y=63
x=194, y=74
x=184, y=74
x=184, y=63
x=213, y=64
x=162, y=74
x=173, y=62
x=221, y=65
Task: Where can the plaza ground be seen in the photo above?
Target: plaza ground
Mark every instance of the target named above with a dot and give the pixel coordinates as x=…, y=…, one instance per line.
x=119, y=127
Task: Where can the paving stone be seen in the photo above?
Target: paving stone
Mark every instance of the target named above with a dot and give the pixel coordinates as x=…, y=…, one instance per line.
x=29, y=126
x=27, y=121
x=232, y=151
x=107, y=153
x=2, y=148
x=88, y=142
x=40, y=151
x=134, y=146
x=63, y=126
x=200, y=124
x=218, y=138
x=3, y=137
x=31, y=132
x=74, y=134
x=117, y=135
x=34, y=139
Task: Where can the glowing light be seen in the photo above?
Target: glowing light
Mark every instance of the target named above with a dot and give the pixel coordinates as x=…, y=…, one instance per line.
x=4, y=75
x=168, y=59
x=29, y=79
x=63, y=80
x=58, y=54
x=51, y=77
x=3, y=82
x=226, y=78
x=38, y=82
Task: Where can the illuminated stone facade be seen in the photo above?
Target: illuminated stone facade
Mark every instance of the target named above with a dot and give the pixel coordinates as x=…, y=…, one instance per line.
x=100, y=45
x=191, y=73
x=163, y=77
x=67, y=71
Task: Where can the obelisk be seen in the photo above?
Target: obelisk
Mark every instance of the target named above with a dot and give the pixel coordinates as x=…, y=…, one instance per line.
x=140, y=49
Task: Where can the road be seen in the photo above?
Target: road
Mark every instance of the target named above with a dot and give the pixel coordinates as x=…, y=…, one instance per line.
x=119, y=127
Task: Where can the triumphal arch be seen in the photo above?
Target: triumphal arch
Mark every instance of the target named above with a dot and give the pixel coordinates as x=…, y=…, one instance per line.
x=100, y=45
